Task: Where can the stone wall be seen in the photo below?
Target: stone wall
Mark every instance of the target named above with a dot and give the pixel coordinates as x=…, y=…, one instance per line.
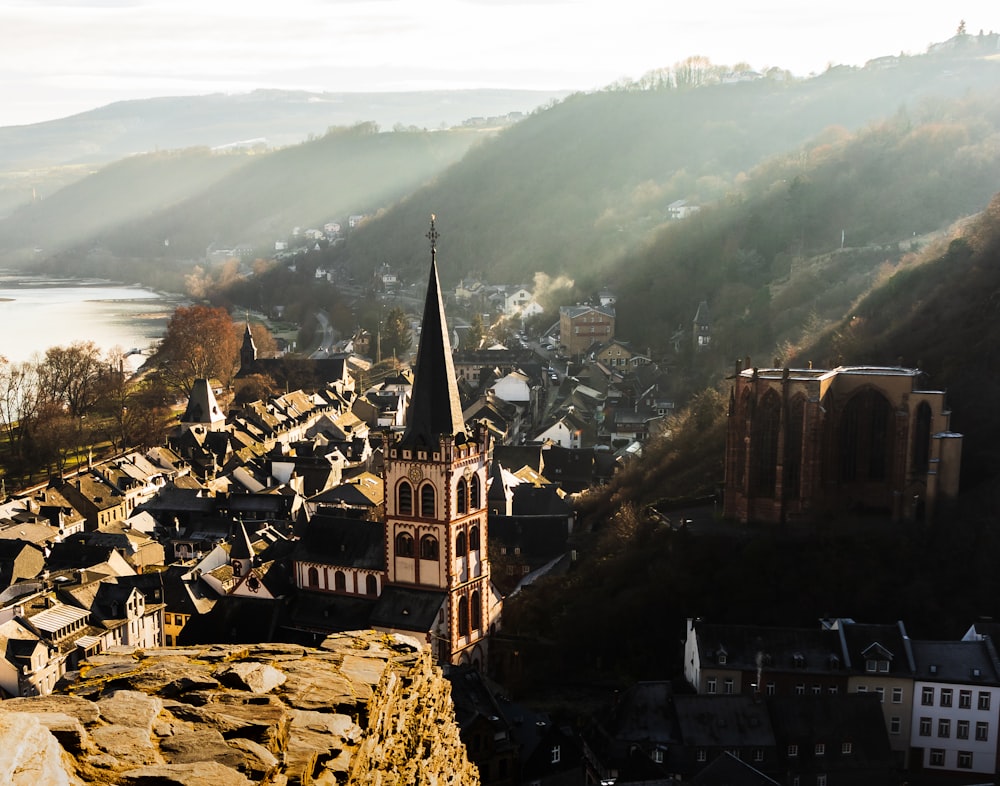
x=363, y=708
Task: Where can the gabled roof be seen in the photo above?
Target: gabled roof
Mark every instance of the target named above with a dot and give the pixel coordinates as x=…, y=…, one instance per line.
x=729, y=721
x=344, y=542
x=202, y=406
x=407, y=609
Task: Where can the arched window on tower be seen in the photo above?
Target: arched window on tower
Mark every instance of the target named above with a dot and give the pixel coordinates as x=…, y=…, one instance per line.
x=312, y=579
x=922, y=438
x=474, y=539
x=463, y=616
x=476, y=611
x=404, y=503
x=475, y=499
x=371, y=585
x=461, y=496
x=428, y=547
x=427, y=501
x=340, y=581
x=460, y=549
x=404, y=544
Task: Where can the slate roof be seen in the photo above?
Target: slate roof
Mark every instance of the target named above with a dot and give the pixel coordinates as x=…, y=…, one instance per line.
x=723, y=721
x=435, y=408
x=727, y=770
x=341, y=541
x=742, y=643
x=973, y=662
x=407, y=609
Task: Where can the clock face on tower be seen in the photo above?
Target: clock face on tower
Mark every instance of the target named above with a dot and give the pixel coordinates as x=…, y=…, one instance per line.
x=415, y=474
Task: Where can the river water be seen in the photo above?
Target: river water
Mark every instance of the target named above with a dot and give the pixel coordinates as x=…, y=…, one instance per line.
x=41, y=312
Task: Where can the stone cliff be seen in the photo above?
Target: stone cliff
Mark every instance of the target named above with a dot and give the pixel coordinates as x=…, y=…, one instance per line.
x=363, y=708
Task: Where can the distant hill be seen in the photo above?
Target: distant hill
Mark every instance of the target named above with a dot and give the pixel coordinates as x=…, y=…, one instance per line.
x=275, y=118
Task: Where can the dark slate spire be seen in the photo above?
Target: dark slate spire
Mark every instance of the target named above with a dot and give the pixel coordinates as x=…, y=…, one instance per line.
x=435, y=408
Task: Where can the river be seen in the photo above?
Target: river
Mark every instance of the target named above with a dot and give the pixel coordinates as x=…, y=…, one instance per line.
x=38, y=312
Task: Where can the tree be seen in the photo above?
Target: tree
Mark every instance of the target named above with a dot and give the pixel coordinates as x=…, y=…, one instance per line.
x=70, y=376
x=474, y=335
x=255, y=387
x=200, y=343
x=396, y=338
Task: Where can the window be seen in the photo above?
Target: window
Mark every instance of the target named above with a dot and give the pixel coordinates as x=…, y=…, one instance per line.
x=404, y=497
x=881, y=694
x=758, y=754
x=460, y=549
x=820, y=749
x=883, y=666
x=474, y=539
x=793, y=751
x=895, y=725
x=846, y=748
x=965, y=699
x=556, y=754
x=862, y=689
x=897, y=695
x=984, y=700
x=701, y=755
x=832, y=690
x=937, y=757
x=476, y=611
x=461, y=496
x=312, y=577
x=962, y=729
x=371, y=585
x=817, y=690
x=427, y=501
x=927, y=697
x=925, y=727
x=946, y=697
x=800, y=690
x=340, y=581
x=982, y=731
x=710, y=685
x=965, y=760
x=474, y=500
x=722, y=657
x=821, y=780
x=728, y=689
x=404, y=544
x=463, y=616
x=871, y=664
x=658, y=756
x=428, y=547
x=770, y=689
x=944, y=727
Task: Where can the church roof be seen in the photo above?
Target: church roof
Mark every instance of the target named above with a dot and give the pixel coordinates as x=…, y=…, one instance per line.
x=202, y=406
x=435, y=407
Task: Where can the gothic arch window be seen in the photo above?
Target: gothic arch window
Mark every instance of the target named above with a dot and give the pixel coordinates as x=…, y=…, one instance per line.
x=312, y=577
x=793, y=447
x=476, y=611
x=428, y=547
x=475, y=497
x=474, y=539
x=463, y=616
x=340, y=581
x=460, y=549
x=764, y=445
x=427, y=501
x=864, y=437
x=371, y=585
x=741, y=448
x=461, y=496
x=404, y=499
x=922, y=438
x=404, y=544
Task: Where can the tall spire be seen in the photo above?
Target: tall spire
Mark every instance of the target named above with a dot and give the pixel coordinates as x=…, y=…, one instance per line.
x=435, y=408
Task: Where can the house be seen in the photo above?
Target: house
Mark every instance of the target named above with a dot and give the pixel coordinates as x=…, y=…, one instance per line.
x=803, y=442
x=715, y=726
x=701, y=328
x=615, y=354
x=582, y=325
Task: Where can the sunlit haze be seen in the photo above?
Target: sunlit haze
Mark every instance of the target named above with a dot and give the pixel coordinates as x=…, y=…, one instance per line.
x=59, y=57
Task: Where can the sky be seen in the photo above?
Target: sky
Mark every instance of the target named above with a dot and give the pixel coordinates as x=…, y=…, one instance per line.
x=60, y=57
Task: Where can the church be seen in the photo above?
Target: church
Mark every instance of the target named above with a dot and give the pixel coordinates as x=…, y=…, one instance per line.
x=424, y=570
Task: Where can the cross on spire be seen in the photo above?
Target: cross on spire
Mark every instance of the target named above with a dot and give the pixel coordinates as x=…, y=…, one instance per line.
x=433, y=236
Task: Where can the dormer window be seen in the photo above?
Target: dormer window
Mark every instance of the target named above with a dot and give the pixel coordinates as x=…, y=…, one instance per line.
x=722, y=657
x=798, y=660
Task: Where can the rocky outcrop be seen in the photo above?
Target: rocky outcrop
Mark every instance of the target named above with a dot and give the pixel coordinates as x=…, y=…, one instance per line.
x=363, y=708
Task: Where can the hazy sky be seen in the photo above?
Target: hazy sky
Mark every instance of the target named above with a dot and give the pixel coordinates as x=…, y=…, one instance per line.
x=58, y=57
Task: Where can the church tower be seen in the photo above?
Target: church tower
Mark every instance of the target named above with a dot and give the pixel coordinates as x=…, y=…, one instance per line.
x=248, y=349
x=435, y=489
